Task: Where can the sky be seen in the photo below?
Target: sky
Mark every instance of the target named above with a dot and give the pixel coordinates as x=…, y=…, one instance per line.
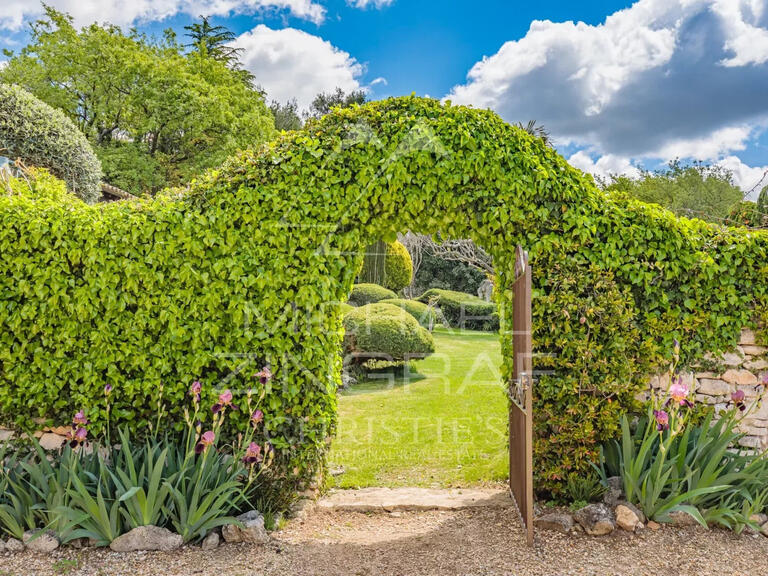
x=621, y=86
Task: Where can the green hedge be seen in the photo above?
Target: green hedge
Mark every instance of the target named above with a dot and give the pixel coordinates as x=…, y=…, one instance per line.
x=363, y=294
x=425, y=315
x=384, y=332
x=42, y=136
x=240, y=269
x=464, y=310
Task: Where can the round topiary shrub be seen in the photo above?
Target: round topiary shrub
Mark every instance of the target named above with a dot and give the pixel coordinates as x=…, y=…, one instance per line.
x=363, y=294
x=398, y=267
x=464, y=310
x=384, y=332
x=40, y=135
x=426, y=316
x=388, y=264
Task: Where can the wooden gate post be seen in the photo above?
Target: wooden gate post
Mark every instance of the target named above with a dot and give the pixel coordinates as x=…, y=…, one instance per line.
x=521, y=396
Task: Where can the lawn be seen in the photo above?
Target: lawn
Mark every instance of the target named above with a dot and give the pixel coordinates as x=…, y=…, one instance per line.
x=442, y=424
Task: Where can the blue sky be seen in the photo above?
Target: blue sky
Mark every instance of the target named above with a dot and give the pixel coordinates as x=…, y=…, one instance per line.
x=619, y=84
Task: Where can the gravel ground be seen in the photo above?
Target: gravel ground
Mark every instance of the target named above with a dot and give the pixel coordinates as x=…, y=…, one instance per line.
x=472, y=542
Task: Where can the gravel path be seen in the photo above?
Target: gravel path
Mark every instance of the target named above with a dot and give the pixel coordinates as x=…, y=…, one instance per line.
x=472, y=542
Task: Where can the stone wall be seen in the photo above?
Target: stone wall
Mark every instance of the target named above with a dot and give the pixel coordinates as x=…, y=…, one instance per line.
x=746, y=368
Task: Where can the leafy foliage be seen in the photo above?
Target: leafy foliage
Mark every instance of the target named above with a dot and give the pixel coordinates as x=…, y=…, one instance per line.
x=384, y=332
x=697, y=190
x=258, y=254
x=155, y=116
x=671, y=464
x=39, y=135
x=463, y=310
x=363, y=294
x=183, y=482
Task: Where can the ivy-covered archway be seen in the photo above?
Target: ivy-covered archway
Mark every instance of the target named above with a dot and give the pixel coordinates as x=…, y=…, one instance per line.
x=249, y=263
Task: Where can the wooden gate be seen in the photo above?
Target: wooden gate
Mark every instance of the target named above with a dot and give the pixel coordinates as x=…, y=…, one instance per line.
x=520, y=393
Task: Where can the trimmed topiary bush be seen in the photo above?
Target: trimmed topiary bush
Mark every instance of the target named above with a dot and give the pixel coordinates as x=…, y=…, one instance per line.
x=464, y=310
x=40, y=135
x=387, y=264
x=384, y=332
x=398, y=267
x=363, y=294
x=424, y=315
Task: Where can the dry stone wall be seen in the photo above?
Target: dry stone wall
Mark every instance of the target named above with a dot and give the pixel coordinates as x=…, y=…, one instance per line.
x=713, y=382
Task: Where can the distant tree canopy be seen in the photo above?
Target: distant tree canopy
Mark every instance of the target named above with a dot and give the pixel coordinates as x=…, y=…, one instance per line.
x=325, y=101
x=696, y=190
x=286, y=115
x=156, y=116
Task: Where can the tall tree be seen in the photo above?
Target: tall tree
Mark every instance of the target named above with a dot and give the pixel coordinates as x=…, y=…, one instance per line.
x=213, y=41
x=156, y=116
x=286, y=115
x=325, y=101
x=696, y=190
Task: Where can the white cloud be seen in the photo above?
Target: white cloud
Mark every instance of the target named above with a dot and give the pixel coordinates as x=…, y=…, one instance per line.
x=290, y=63
x=748, y=178
x=13, y=13
x=710, y=147
x=675, y=77
x=604, y=165
x=370, y=3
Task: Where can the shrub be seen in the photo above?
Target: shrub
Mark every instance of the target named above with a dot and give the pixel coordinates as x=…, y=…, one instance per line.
x=384, y=332
x=363, y=294
x=426, y=316
x=398, y=269
x=464, y=310
x=39, y=135
x=394, y=271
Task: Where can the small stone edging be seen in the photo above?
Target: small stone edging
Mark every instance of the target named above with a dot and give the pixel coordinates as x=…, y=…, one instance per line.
x=603, y=518
x=149, y=538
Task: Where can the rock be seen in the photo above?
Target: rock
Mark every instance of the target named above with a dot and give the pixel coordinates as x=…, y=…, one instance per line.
x=51, y=441
x=653, y=525
x=211, y=542
x=302, y=507
x=627, y=519
x=557, y=521
x=748, y=337
x=13, y=545
x=45, y=542
x=60, y=430
x=759, y=519
x=639, y=513
x=147, y=538
x=596, y=519
x=756, y=365
x=253, y=530
x=680, y=518
x=713, y=387
x=614, y=493
x=742, y=377
x=755, y=350
x=732, y=359
x=6, y=434
x=763, y=530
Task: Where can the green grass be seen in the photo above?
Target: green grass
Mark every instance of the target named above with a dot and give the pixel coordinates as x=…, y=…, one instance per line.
x=445, y=425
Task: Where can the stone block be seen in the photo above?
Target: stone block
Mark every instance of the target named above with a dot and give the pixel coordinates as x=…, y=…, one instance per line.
x=742, y=377
x=714, y=387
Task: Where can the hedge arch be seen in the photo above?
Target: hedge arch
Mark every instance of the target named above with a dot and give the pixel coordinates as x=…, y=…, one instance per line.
x=249, y=264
